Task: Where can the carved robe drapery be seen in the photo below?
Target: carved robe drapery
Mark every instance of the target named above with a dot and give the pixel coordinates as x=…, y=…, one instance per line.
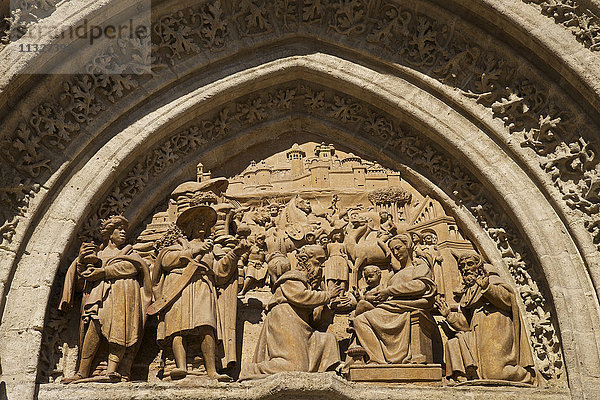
x=384, y=332
x=288, y=341
x=118, y=301
x=491, y=337
x=195, y=305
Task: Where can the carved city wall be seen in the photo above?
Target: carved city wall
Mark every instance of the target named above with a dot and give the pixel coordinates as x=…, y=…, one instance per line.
x=438, y=65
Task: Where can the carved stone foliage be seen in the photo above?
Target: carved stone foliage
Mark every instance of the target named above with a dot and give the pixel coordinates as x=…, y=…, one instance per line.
x=22, y=15
x=379, y=127
x=576, y=16
x=55, y=122
x=525, y=105
x=539, y=119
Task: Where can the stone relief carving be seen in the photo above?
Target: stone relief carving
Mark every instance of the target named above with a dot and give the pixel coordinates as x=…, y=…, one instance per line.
x=187, y=273
x=23, y=14
x=524, y=104
x=400, y=139
x=84, y=99
x=488, y=313
x=403, y=306
x=296, y=214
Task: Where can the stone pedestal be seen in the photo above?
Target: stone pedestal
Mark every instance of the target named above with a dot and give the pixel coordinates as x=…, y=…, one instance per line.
x=424, y=339
x=396, y=373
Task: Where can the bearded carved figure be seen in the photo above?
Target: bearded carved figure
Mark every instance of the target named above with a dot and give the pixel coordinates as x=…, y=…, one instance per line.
x=490, y=341
x=289, y=339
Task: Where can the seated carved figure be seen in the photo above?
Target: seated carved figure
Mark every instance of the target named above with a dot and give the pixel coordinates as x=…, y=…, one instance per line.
x=490, y=342
x=385, y=331
x=288, y=340
x=116, y=291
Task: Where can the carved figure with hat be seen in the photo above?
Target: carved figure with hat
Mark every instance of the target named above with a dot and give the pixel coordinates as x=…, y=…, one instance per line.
x=185, y=277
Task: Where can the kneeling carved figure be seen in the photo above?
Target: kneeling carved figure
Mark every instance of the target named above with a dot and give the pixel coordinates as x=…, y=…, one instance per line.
x=288, y=340
x=490, y=341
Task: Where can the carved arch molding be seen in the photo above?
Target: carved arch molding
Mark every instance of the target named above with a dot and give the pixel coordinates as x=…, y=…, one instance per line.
x=500, y=126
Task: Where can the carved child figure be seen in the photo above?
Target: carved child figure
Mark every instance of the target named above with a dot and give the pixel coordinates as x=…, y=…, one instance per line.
x=255, y=266
x=116, y=291
x=490, y=342
x=367, y=298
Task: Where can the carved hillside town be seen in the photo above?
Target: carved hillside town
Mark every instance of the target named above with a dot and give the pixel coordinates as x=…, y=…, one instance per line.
x=310, y=260
x=303, y=199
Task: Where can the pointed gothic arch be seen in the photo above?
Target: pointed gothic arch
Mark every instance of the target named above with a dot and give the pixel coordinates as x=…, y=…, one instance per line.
x=414, y=101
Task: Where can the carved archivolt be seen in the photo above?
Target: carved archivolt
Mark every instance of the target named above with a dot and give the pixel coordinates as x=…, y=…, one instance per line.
x=580, y=19
x=533, y=114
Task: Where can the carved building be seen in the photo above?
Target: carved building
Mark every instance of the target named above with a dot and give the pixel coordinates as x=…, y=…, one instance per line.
x=486, y=112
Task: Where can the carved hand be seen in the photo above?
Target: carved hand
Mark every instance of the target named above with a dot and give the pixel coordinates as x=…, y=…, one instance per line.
x=370, y=297
x=335, y=292
x=87, y=254
x=380, y=295
x=201, y=246
x=344, y=302
x=93, y=273
x=442, y=306
x=483, y=281
x=242, y=247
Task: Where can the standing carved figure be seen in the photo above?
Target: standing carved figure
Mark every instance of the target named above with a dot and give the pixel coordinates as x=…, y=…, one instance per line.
x=255, y=265
x=490, y=342
x=185, y=276
x=337, y=267
x=385, y=331
x=116, y=291
x=289, y=340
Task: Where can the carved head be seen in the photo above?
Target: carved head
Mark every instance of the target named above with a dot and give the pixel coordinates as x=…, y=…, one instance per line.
x=383, y=216
x=470, y=266
x=401, y=246
x=114, y=230
x=273, y=210
x=303, y=205
x=311, y=259
x=372, y=274
x=195, y=222
x=310, y=238
x=277, y=265
x=336, y=235
x=260, y=239
x=323, y=239
x=429, y=237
